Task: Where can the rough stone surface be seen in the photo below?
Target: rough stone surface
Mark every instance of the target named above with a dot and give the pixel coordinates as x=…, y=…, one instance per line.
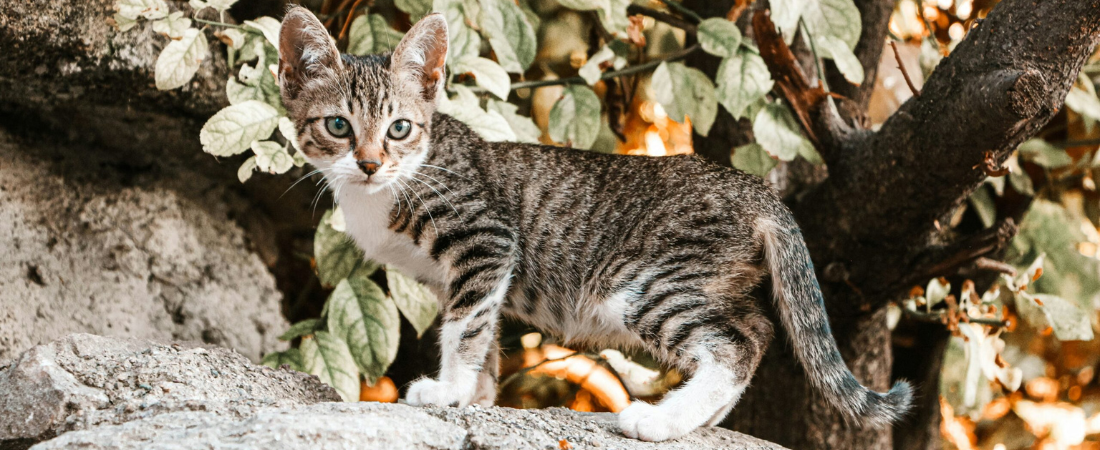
x=388, y=426
x=92, y=247
x=84, y=381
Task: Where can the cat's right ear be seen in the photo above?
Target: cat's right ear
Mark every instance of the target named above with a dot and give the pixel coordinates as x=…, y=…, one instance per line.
x=306, y=52
x=422, y=53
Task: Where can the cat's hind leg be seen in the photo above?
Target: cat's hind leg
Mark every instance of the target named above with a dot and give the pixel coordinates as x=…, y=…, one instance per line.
x=721, y=360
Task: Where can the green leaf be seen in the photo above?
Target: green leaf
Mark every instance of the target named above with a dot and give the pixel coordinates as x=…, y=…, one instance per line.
x=982, y=202
x=417, y=303
x=742, y=80
x=360, y=314
x=1069, y=321
x=785, y=14
x=180, y=59
x=833, y=48
x=286, y=128
x=269, y=26
x=238, y=92
x=415, y=8
x=836, y=18
x=591, y=71
x=246, y=169
x=581, y=5
x=488, y=75
x=371, y=34
x=303, y=328
x=1044, y=154
x=1048, y=228
x=123, y=23
x=612, y=14
x=752, y=158
x=464, y=42
x=149, y=9
x=719, y=37
x=328, y=357
x=490, y=125
x=337, y=256
x=777, y=131
x=936, y=292
x=575, y=118
x=523, y=127
x=272, y=157
x=510, y=34
x=291, y=357
x=220, y=5
x=172, y=26
x=1083, y=102
x=233, y=129
x=237, y=38
x=685, y=92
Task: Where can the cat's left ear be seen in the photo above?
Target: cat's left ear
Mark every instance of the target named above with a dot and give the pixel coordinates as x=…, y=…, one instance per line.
x=422, y=54
x=306, y=52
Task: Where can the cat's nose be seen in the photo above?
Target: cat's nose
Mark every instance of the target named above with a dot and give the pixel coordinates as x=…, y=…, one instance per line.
x=369, y=166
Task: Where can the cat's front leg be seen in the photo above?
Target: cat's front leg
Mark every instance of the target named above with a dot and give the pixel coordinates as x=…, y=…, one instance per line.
x=467, y=341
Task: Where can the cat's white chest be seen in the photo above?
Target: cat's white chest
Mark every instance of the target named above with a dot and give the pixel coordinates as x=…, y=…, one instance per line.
x=368, y=222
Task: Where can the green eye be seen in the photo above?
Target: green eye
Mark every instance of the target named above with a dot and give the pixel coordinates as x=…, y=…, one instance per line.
x=338, y=126
x=399, y=129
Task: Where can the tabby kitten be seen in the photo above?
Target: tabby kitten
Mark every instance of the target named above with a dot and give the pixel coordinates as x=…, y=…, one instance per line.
x=612, y=250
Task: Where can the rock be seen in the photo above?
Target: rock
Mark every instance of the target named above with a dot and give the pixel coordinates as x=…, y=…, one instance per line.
x=388, y=426
x=84, y=381
x=91, y=247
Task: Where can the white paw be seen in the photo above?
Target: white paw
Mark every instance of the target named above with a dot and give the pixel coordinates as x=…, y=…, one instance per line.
x=437, y=393
x=650, y=423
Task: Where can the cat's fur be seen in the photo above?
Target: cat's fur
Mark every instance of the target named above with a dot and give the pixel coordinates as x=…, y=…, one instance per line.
x=611, y=250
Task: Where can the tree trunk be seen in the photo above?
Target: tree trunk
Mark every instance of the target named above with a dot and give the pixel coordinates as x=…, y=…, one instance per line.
x=871, y=226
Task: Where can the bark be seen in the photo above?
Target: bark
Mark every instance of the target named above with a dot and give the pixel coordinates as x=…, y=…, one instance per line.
x=873, y=222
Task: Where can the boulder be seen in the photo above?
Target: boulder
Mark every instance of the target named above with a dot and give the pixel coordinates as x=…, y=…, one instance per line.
x=89, y=246
x=391, y=427
x=84, y=381
x=94, y=392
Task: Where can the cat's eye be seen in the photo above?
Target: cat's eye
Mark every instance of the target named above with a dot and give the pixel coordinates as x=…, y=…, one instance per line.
x=338, y=126
x=399, y=129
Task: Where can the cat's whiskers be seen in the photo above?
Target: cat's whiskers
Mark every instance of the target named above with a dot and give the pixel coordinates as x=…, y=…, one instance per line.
x=422, y=204
x=413, y=178
x=445, y=170
x=310, y=174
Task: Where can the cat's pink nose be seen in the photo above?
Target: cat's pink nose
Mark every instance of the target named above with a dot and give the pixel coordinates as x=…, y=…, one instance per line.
x=369, y=166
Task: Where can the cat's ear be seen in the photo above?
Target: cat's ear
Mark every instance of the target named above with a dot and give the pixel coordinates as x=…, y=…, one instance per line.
x=421, y=55
x=306, y=52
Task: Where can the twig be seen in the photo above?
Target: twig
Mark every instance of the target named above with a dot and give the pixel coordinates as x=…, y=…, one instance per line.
x=1080, y=143
x=343, y=6
x=813, y=49
x=938, y=318
x=931, y=34
x=904, y=73
x=226, y=25
x=738, y=8
x=351, y=15
x=659, y=16
x=676, y=6
x=675, y=56
x=985, y=263
x=790, y=81
x=964, y=252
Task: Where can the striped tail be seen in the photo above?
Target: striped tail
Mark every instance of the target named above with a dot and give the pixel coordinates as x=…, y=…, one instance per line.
x=802, y=311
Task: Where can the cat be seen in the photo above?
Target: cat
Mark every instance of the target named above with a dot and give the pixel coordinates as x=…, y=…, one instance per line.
x=609, y=250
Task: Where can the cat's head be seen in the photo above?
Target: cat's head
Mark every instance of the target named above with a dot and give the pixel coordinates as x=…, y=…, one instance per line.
x=363, y=120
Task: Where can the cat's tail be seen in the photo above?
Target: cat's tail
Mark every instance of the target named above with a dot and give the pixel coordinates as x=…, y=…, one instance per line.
x=801, y=310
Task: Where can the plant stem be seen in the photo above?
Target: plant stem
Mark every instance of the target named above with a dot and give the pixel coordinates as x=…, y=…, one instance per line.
x=817, y=58
x=226, y=25
x=676, y=6
x=936, y=317
x=678, y=55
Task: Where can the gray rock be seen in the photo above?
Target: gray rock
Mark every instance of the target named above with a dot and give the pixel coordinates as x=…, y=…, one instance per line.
x=91, y=248
x=390, y=427
x=84, y=381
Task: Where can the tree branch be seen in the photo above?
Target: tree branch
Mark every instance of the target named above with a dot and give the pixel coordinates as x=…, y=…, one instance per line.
x=675, y=56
